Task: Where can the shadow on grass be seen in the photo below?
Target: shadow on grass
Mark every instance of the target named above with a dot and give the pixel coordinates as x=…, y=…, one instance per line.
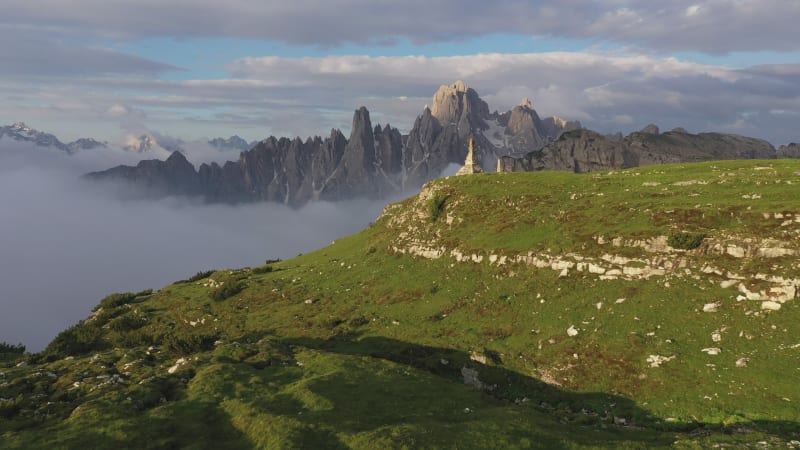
x=569, y=408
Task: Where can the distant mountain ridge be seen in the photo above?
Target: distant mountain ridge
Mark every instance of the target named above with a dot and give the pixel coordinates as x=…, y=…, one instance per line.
x=379, y=162
x=587, y=151
x=373, y=162
x=23, y=133
x=142, y=143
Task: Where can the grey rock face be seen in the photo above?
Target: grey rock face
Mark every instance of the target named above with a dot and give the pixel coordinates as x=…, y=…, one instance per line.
x=85, y=144
x=175, y=175
x=650, y=129
x=232, y=143
x=290, y=171
x=587, y=151
x=789, y=151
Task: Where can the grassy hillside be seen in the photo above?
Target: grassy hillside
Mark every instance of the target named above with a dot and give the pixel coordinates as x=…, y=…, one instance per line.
x=635, y=309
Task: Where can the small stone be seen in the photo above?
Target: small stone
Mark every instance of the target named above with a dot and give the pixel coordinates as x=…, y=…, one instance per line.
x=713, y=351
x=711, y=307
x=770, y=305
x=742, y=362
x=571, y=331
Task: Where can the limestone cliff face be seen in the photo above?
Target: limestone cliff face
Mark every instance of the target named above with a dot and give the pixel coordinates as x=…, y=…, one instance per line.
x=587, y=151
x=525, y=128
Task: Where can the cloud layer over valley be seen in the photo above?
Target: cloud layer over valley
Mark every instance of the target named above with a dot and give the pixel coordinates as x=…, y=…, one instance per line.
x=65, y=245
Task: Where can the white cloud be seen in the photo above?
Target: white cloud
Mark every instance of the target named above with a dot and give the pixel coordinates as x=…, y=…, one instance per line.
x=735, y=25
x=307, y=96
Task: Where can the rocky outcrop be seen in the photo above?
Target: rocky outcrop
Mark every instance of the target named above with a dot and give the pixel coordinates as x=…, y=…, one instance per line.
x=587, y=151
x=232, y=143
x=440, y=135
x=789, y=151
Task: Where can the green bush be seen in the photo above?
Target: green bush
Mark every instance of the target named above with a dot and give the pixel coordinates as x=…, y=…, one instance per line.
x=262, y=269
x=228, y=289
x=10, y=407
x=685, y=241
x=115, y=300
x=126, y=323
x=9, y=348
x=77, y=339
x=436, y=206
x=196, y=277
x=183, y=343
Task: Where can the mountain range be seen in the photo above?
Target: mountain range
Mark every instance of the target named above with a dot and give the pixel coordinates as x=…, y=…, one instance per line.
x=375, y=161
x=23, y=133
x=379, y=161
x=145, y=143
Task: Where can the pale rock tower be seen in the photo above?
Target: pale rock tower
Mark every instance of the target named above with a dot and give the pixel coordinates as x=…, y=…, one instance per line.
x=471, y=165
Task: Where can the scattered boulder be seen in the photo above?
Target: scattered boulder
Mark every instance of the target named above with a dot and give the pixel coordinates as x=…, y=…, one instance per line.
x=742, y=362
x=657, y=360
x=571, y=331
x=770, y=305
x=180, y=362
x=650, y=129
x=712, y=351
x=711, y=307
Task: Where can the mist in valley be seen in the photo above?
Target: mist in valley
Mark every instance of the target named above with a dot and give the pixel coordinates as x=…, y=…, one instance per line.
x=65, y=243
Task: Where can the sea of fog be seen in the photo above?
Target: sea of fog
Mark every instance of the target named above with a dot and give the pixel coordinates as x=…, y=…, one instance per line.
x=66, y=243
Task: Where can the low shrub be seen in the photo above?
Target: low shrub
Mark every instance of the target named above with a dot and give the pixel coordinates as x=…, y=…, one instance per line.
x=77, y=339
x=115, y=300
x=9, y=348
x=196, y=277
x=228, y=289
x=263, y=269
x=183, y=343
x=436, y=206
x=685, y=241
x=10, y=407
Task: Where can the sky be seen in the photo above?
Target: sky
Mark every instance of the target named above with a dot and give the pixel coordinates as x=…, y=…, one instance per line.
x=203, y=68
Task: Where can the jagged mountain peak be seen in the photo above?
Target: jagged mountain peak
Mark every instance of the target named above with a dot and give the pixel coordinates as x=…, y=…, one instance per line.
x=460, y=105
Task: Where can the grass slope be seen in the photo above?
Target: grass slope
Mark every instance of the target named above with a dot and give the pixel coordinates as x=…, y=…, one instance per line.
x=392, y=339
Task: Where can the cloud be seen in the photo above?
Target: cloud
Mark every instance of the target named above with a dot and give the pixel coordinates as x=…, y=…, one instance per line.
x=715, y=26
x=599, y=89
x=26, y=53
x=67, y=245
x=309, y=96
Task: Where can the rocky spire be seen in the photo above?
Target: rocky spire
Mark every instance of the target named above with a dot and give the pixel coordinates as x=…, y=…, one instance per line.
x=471, y=164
